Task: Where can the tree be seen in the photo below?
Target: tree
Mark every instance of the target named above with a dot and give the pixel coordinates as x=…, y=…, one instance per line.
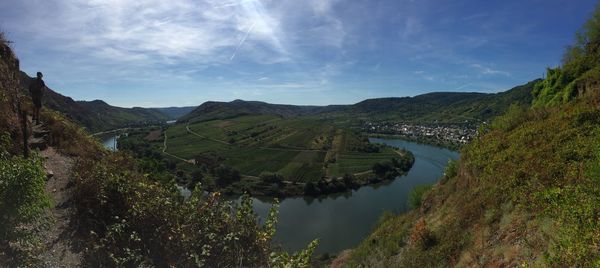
x=311, y=189
x=349, y=180
x=226, y=175
x=271, y=177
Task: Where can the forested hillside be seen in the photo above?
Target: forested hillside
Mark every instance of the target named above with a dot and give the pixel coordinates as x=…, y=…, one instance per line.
x=526, y=191
x=447, y=107
x=212, y=110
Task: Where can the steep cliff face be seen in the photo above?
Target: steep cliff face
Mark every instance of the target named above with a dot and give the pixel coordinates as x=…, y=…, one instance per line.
x=10, y=95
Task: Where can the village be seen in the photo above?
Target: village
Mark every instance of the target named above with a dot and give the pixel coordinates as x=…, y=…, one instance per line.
x=448, y=133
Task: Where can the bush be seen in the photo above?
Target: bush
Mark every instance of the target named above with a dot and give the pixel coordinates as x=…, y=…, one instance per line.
x=511, y=119
x=417, y=193
x=136, y=222
x=22, y=202
x=450, y=171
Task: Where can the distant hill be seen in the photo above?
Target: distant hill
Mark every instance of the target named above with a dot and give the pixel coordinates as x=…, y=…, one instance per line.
x=452, y=107
x=431, y=107
x=174, y=113
x=97, y=115
x=219, y=110
x=443, y=106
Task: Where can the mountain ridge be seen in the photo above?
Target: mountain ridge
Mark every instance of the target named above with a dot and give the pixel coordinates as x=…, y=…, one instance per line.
x=427, y=107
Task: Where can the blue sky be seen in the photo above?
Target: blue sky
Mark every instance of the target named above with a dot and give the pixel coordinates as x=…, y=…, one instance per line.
x=183, y=52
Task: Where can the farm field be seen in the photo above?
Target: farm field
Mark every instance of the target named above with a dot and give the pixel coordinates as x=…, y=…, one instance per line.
x=301, y=149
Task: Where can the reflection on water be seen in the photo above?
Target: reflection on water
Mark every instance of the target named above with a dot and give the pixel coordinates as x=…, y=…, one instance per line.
x=342, y=221
x=110, y=142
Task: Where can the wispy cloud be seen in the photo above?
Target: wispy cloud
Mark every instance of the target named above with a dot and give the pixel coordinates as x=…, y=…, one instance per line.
x=174, y=31
x=207, y=49
x=488, y=71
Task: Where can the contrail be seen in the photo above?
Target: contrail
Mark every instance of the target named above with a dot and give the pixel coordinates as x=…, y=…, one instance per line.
x=232, y=4
x=242, y=41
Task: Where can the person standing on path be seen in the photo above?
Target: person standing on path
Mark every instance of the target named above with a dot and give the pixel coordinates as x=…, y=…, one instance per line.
x=36, y=89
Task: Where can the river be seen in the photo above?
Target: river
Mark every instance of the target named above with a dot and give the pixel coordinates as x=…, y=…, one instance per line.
x=110, y=142
x=341, y=221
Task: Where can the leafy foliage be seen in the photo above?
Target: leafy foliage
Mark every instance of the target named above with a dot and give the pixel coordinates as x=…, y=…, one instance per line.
x=416, y=195
x=22, y=203
x=134, y=221
x=580, y=69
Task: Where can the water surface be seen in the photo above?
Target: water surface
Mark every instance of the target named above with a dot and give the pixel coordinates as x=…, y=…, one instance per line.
x=110, y=142
x=342, y=221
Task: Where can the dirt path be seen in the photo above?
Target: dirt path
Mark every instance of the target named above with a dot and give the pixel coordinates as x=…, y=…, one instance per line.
x=58, y=240
x=191, y=161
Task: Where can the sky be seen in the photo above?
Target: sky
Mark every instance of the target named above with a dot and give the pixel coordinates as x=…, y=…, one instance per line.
x=158, y=53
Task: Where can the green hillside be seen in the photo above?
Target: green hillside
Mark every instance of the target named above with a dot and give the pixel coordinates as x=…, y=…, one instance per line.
x=447, y=107
x=222, y=110
x=526, y=192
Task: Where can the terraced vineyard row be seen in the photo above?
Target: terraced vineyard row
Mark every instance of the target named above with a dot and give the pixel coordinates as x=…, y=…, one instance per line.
x=301, y=149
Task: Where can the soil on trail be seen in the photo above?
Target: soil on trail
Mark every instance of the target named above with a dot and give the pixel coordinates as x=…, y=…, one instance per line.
x=59, y=247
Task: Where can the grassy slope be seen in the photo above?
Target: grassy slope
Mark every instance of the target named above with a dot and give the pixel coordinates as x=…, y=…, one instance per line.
x=301, y=148
x=526, y=192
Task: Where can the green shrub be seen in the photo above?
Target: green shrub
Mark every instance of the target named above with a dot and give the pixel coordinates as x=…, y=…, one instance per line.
x=451, y=170
x=511, y=119
x=22, y=203
x=136, y=221
x=416, y=195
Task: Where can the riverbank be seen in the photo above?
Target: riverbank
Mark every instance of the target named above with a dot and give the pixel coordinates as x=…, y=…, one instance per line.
x=421, y=140
x=381, y=172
